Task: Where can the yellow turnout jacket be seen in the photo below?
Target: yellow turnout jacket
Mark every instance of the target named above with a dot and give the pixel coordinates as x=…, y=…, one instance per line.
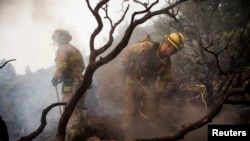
x=142, y=62
x=69, y=62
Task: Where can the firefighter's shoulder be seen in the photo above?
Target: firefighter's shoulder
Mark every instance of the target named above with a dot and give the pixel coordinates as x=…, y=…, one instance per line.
x=144, y=46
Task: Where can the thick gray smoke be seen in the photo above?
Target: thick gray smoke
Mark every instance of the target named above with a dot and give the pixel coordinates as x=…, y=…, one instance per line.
x=25, y=31
x=26, y=28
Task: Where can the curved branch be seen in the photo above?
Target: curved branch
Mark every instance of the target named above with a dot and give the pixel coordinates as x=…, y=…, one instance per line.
x=216, y=108
x=238, y=102
x=90, y=8
x=214, y=54
x=93, y=65
x=99, y=22
x=105, y=9
x=141, y=3
x=108, y=44
x=6, y=63
x=125, y=39
x=43, y=123
x=143, y=11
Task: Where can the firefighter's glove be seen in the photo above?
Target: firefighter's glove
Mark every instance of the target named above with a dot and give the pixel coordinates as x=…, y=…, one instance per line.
x=54, y=81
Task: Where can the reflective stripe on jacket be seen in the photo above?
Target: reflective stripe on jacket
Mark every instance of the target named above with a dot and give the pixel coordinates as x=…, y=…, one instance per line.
x=69, y=62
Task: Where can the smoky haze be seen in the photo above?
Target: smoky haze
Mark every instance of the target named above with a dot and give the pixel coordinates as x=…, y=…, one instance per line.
x=25, y=31
x=175, y=108
x=26, y=28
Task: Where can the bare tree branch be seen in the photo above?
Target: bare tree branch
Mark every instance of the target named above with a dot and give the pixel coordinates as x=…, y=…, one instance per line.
x=216, y=108
x=147, y=9
x=125, y=39
x=6, y=63
x=98, y=29
x=141, y=3
x=43, y=123
x=111, y=38
x=214, y=54
x=93, y=65
x=238, y=102
x=105, y=9
x=173, y=13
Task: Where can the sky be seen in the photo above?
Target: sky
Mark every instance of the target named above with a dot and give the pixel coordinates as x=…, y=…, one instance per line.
x=26, y=27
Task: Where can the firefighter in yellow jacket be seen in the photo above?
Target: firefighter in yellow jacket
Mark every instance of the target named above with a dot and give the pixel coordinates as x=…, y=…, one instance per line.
x=69, y=68
x=147, y=69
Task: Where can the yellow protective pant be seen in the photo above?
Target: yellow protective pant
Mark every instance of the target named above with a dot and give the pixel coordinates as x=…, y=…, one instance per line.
x=135, y=98
x=77, y=119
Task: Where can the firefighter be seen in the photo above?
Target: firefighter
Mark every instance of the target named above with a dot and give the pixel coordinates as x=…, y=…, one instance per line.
x=147, y=69
x=69, y=68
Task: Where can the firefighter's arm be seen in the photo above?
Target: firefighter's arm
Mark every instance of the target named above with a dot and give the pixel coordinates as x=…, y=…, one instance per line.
x=165, y=78
x=61, y=66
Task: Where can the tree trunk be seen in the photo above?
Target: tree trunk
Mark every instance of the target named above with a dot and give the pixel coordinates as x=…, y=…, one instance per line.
x=4, y=136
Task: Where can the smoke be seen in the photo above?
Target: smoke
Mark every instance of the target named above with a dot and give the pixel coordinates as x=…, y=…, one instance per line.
x=174, y=110
x=26, y=28
x=24, y=98
x=191, y=113
x=25, y=31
